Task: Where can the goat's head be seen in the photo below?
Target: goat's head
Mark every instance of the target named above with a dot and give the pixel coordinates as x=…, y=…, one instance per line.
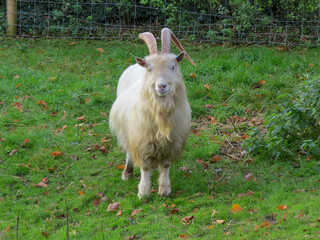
x=163, y=72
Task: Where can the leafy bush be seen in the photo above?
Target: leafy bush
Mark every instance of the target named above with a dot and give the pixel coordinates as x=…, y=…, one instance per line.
x=295, y=129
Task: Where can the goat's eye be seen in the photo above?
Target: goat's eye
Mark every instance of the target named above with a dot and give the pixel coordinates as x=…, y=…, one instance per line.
x=149, y=69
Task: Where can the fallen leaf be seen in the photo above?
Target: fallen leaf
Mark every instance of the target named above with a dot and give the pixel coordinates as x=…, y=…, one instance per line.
x=135, y=212
x=26, y=141
x=202, y=162
x=121, y=167
x=282, y=207
x=103, y=140
x=72, y=43
x=41, y=102
x=18, y=106
x=174, y=211
x=113, y=207
x=192, y=75
x=311, y=64
x=207, y=86
x=44, y=180
x=220, y=221
x=209, y=106
x=183, y=236
x=248, y=177
x=236, y=208
x=179, y=192
x=196, y=132
x=16, y=77
x=96, y=202
x=52, y=79
x=80, y=192
x=215, y=158
x=13, y=152
x=56, y=153
x=186, y=220
x=51, y=170
x=299, y=216
x=256, y=228
x=119, y=213
x=7, y=229
x=82, y=118
x=130, y=237
x=265, y=225
x=18, y=85
x=100, y=50
x=41, y=184
x=309, y=158
x=244, y=136
x=104, y=114
x=245, y=194
x=210, y=227
x=44, y=234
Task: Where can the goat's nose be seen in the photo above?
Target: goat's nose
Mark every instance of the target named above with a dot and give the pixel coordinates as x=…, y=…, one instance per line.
x=162, y=85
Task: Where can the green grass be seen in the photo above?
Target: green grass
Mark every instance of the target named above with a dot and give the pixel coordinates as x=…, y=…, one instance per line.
x=77, y=80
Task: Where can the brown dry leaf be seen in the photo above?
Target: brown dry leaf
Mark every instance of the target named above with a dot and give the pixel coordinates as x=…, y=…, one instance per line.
x=174, y=211
x=64, y=127
x=245, y=194
x=186, y=220
x=209, y=106
x=220, y=221
x=51, y=170
x=103, y=140
x=299, y=216
x=7, y=228
x=192, y=75
x=262, y=82
x=87, y=213
x=16, y=77
x=119, y=213
x=215, y=158
x=72, y=43
x=100, y=50
x=96, y=202
x=52, y=79
x=207, y=86
x=256, y=228
x=282, y=207
x=18, y=85
x=41, y=184
x=18, y=106
x=41, y=102
x=56, y=153
x=113, y=207
x=236, y=208
x=309, y=158
x=248, y=177
x=311, y=65
x=130, y=237
x=179, y=192
x=183, y=236
x=202, y=162
x=45, y=180
x=212, y=120
x=104, y=114
x=121, y=167
x=210, y=227
x=26, y=141
x=82, y=118
x=244, y=136
x=13, y=151
x=44, y=234
x=265, y=225
x=196, y=132
x=80, y=192
x=135, y=212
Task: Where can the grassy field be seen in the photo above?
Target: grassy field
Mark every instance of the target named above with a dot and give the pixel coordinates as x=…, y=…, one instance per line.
x=56, y=148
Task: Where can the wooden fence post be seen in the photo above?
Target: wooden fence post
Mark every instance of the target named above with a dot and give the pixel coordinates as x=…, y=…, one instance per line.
x=11, y=18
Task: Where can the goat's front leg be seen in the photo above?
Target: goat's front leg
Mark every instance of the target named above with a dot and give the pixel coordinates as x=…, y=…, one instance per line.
x=145, y=183
x=164, y=180
x=128, y=170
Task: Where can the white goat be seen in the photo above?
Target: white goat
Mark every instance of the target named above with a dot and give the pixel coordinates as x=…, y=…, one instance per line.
x=151, y=116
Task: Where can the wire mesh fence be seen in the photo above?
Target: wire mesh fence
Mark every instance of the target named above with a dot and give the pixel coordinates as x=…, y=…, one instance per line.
x=201, y=22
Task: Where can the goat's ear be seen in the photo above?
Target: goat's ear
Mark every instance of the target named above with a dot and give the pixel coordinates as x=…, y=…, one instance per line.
x=180, y=57
x=141, y=62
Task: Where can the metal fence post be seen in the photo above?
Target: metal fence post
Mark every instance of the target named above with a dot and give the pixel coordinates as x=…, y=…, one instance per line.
x=11, y=17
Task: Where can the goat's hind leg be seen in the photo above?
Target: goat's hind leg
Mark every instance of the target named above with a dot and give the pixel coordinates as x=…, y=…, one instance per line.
x=164, y=180
x=128, y=170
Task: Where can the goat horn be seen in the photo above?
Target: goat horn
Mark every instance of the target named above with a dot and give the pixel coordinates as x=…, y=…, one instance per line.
x=166, y=36
x=151, y=42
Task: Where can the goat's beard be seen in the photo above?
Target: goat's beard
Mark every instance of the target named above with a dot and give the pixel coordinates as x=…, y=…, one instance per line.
x=160, y=109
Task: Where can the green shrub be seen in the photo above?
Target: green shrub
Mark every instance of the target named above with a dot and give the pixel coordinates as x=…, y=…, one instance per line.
x=295, y=129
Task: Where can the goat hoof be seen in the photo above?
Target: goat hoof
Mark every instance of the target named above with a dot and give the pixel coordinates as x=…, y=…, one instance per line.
x=126, y=175
x=164, y=191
